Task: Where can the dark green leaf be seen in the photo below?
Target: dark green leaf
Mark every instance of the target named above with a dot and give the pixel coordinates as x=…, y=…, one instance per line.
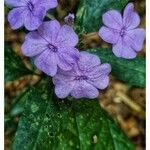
x=89, y=14
x=14, y=66
x=49, y=123
x=20, y=101
x=131, y=71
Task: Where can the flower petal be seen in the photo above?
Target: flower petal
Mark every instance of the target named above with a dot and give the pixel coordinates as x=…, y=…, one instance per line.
x=62, y=91
x=109, y=35
x=130, y=18
x=16, y=22
x=136, y=38
x=34, y=44
x=87, y=61
x=46, y=62
x=49, y=30
x=15, y=3
x=48, y=4
x=67, y=36
x=63, y=83
x=82, y=89
x=122, y=49
x=35, y=18
x=67, y=57
x=99, y=76
x=113, y=19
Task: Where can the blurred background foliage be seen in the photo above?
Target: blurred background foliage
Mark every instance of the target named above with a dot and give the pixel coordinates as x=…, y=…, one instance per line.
x=125, y=103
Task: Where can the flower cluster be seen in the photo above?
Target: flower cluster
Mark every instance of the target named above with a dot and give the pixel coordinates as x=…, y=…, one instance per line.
x=52, y=46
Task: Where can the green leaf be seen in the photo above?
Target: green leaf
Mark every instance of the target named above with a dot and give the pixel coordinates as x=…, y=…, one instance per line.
x=49, y=123
x=131, y=71
x=20, y=101
x=14, y=66
x=89, y=13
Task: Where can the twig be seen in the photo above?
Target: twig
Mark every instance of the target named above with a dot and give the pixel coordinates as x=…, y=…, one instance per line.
x=130, y=103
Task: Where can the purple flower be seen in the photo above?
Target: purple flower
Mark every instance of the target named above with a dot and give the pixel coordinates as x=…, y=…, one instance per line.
x=121, y=31
x=52, y=45
x=29, y=13
x=69, y=20
x=84, y=80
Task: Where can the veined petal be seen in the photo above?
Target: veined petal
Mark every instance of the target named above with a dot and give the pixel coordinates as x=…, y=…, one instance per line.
x=136, y=38
x=48, y=4
x=62, y=91
x=34, y=44
x=68, y=56
x=88, y=61
x=113, y=19
x=63, y=77
x=16, y=17
x=130, y=18
x=49, y=30
x=99, y=76
x=82, y=89
x=67, y=37
x=63, y=84
x=34, y=19
x=15, y=3
x=47, y=62
x=124, y=50
x=109, y=35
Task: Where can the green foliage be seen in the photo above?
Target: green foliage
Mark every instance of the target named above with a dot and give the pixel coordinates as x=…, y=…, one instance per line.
x=49, y=123
x=131, y=71
x=14, y=66
x=89, y=14
x=20, y=100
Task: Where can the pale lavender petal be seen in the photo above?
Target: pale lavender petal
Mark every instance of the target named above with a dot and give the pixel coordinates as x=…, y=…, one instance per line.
x=35, y=18
x=99, y=76
x=46, y=3
x=122, y=49
x=62, y=91
x=47, y=62
x=63, y=64
x=67, y=37
x=113, y=19
x=49, y=30
x=64, y=84
x=63, y=77
x=88, y=60
x=34, y=44
x=136, y=38
x=67, y=57
x=130, y=18
x=16, y=17
x=82, y=89
x=15, y=3
x=109, y=35
x=103, y=69
x=102, y=83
